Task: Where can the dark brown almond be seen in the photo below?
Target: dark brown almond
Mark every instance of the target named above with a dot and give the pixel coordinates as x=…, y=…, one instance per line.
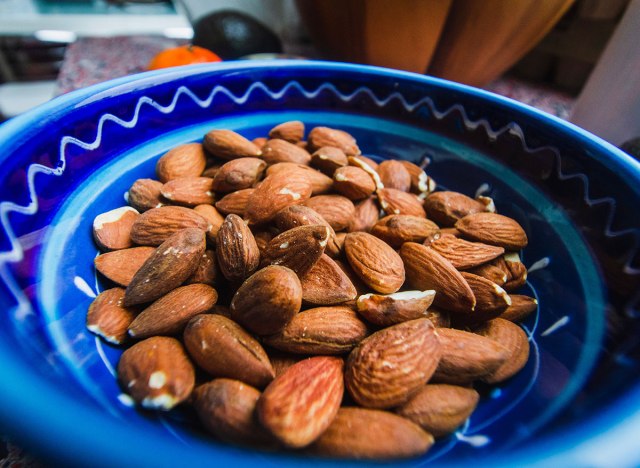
x=213, y=217
x=396, y=202
x=277, y=151
x=299, y=215
x=108, y=318
x=238, y=174
x=223, y=348
x=267, y=300
x=189, y=191
x=236, y=249
x=391, y=365
x=491, y=272
x=281, y=361
x=366, y=215
x=328, y=158
x=145, y=194
x=298, y=248
x=464, y=254
x=445, y=208
x=394, y=175
x=112, y=230
x=292, y=131
x=167, y=268
x=207, y=271
x=440, y=408
x=276, y=192
x=427, y=269
x=493, y=229
x=353, y=182
x=514, y=339
x=156, y=225
x=326, y=284
x=186, y=160
x=120, y=266
x=395, y=308
x=227, y=144
x=320, y=183
x=395, y=230
x=491, y=299
x=213, y=166
x=325, y=136
x=517, y=272
x=157, y=373
x=235, y=202
x=262, y=237
x=169, y=314
x=520, y=308
x=421, y=184
x=337, y=210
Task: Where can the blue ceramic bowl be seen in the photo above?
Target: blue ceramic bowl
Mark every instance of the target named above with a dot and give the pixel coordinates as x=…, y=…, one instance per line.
x=576, y=403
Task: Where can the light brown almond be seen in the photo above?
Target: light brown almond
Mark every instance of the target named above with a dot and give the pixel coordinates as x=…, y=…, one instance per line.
x=394, y=175
x=213, y=217
x=227, y=144
x=464, y=254
x=363, y=162
x=276, y=192
x=299, y=215
x=445, y=208
x=156, y=225
x=337, y=210
x=120, y=266
x=326, y=284
x=277, y=151
x=520, y=308
x=493, y=229
x=236, y=249
x=395, y=308
x=259, y=142
x=145, y=194
x=396, y=202
x=325, y=136
x=112, y=230
x=235, y=202
x=421, y=184
x=189, y=191
x=491, y=299
x=366, y=215
x=298, y=248
x=108, y=318
x=514, y=339
x=491, y=272
x=320, y=183
x=353, y=182
x=391, y=365
x=186, y=160
x=292, y=131
x=328, y=158
x=395, y=230
x=238, y=174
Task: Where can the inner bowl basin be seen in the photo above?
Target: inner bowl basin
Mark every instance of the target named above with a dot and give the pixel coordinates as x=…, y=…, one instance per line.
x=75, y=157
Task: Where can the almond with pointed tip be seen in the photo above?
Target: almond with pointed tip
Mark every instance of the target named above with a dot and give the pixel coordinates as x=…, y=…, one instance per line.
x=325, y=136
x=337, y=210
x=236, y=249
x=223, y=348
x=291, y=131
x=188, y=160
x=145, y=194
x=427, y=269
x=394, y=175
x=157, y=373
x=299, y=215
x=386, y=310
x=491, y=299
x=112, y=230
x=169, y=314
x=490, y=272
x=189, y=191
x=277, y=151
x=375, y=262
x=238, y=174
x=326, y=284
x=521, y=307
x=493, y=229
x=299, y=405
x=445, y=208
x=353, y=183
x=276, y=192
x=235, y=202
x=396, y=202
x=120, y=266
x=329, y=158
x=421, y=184
x=155, y=226
x=227, y=144
x=464, y=254
x=320, y=183
x=108, y=318
x=298, y=248
x=395, y=230
x=391, y=365
x=514, y=339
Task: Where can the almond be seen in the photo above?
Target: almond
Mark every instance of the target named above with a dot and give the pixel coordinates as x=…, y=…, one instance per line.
x=320, y=183
x=397, y=202
x=491, y=272
x=281, y=361
x=235, y=202
x=189, y=191
x=464, y=254
x=262, y=239
x=213, y=166
x=213, y=218
x=353, y=183
x=388, y=367
x=167, y=268
x=337, y=210
x=267, y=300
x=120, y=266
x=186, y=160
x=366, y=215
x=394, y=175
x=427, y=269
x=323, y=330
x=226, y=409
x=292, y=131
x=238, y=174
x=395, y=308
x=491, y=299
x=302, y=402
x=276, y=192
x=467, y=356
x=521, y=306
x=372, y=434
x=108, y=318
x=368, y=165
x=298, y=215
x=227, y=144
x=277, y=151
x=259, y=142
x=328, y=158
x=493, y=229
x=223, y=348
x=298, y=248
x=169, y=314
x=207, y=270
x=440, y=318
x=145, y=194
x=236, y=249
x=112, y=230
x=325, y=136
x=446, y=208
x=395, y=230
x=421, y=184
x=156, y=373
x=326, y=284
x=514, y=339
x=377, y=264
x=440, y=408
x=156, y=225
x=517, y=272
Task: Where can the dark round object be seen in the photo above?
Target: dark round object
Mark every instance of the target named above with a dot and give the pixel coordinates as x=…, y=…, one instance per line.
x=232, y=34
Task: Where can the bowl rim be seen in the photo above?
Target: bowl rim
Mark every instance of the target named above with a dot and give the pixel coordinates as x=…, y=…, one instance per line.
x=23, y=406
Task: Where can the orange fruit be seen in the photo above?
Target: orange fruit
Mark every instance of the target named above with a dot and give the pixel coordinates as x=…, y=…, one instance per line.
x=182, y=55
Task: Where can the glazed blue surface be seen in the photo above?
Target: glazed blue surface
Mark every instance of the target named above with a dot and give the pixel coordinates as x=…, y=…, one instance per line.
x=576, y=196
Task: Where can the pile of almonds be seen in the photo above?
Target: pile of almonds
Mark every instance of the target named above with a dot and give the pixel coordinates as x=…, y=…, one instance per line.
x=299, y=295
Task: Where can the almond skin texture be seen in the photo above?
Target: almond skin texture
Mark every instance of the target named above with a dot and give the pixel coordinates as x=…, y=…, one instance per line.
x=323, y=330
x=388, y=367
x=520, y=308
x=267, y=300
x=167, y=268
x=320, y=183
x=490, y=272
x=276, y=192
x=421, y=184
x=213, y=217
x=371, y=434
x=298, y=248
x=394, y=175
x=395, y=308
x=516, y=271
x=491, y=299
x=467, y=357
x=353, y=183
x=238, y=174
x=145, y=194
x=327, y=284
x=299, y=405
x=514, y=339
x=377, y=264
x=395, y=230
x=169, y=314
x=154, y=226
x=235, y=202
x=207, y=271
x=224, y=349
x=337, y=210
x=236, y=249
x=227, y=144
x=464, y=254
x=112, y=230
x=292, y=131
x=108, y=318
x=445, y=208
x=120, y=266
x=440, y=408
x=325, y=136
x=427, y=269
x=276, y=151
x=226, y=409
x=189, y=191
x=156, y=373
x=397, y=202
x=366, y=216
x=328, y=158
x=298, y=215
x=493, y=229
x=186, y=160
